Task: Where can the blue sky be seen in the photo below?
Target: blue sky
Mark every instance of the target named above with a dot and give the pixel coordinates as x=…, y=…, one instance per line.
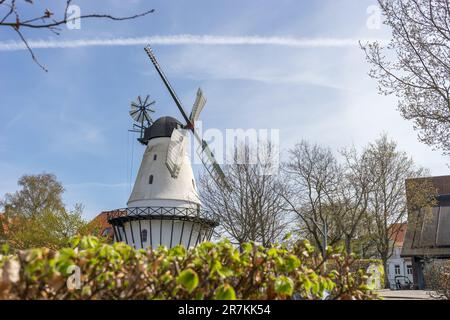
x=73, y=121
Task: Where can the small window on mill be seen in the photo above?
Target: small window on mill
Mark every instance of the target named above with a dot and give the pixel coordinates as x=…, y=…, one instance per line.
x=150, y=179
x=154, y=157
x=144, y=235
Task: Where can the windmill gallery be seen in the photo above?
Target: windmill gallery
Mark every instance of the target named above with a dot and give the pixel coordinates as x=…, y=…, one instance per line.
x=164, y=207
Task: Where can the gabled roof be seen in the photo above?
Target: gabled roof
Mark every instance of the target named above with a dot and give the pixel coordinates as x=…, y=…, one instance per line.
x=428, y=232
x=101, y=227
x=398, y=233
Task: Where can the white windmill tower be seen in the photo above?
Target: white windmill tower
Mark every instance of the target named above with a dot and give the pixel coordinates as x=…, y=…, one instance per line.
x=164, y=207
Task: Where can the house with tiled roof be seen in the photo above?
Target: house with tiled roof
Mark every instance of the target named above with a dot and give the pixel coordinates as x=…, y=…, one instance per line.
x=399, y=269
x=101, y=227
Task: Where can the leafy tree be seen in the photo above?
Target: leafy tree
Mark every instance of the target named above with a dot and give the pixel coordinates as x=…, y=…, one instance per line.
x=387, y=207
x=415, y=65
x=35, y=216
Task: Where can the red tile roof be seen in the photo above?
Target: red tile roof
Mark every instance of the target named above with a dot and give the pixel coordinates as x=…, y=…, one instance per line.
x=101, y=227
x=4, y=223
x=398, y=231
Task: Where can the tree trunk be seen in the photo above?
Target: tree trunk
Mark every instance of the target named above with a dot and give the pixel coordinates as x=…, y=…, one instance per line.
x=386, y=273
x=348, y=245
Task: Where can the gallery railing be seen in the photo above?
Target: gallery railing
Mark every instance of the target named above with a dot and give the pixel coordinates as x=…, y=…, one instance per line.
x=165, y=213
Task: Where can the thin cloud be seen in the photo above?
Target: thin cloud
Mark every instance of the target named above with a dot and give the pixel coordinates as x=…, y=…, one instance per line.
x=187, y=39
x=98, y=185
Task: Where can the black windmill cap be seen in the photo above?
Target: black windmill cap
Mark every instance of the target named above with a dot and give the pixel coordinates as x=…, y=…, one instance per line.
x=162, y=127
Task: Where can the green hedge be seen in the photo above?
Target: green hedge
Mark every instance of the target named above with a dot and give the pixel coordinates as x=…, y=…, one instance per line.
x=373, y=265
x=210, y=271
x=373, y=268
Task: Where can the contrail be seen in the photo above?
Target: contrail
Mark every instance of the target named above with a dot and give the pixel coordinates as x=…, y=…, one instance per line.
x=187, y=39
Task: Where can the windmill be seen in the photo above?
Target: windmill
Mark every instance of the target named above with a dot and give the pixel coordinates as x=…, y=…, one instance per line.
x=164, y=207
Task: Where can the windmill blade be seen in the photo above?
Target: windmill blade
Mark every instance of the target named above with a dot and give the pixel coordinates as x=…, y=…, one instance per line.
x=146, y=99
x=134, y=111
x=137, y=115
x=210, y=163
x=175, y=152
x=197, y=108
x=174, y=96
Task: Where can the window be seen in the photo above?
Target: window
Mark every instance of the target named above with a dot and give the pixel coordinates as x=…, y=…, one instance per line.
x=105, y=232
x=154, y=157
x=144, y=235
x=397, y=269
x=409, y=269
x=150, y=179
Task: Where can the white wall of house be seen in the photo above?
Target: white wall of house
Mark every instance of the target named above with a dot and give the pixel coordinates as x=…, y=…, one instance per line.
x=398, y=266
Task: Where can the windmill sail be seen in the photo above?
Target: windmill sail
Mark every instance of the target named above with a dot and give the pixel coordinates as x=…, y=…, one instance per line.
x=209, y=162
x=204, y=151
x=174, y=96
x=175, y=152
x=197, y=108
x=136, y=113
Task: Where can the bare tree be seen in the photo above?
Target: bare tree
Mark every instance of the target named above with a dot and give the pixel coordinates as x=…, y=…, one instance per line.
x=387, y=205
x=353, y=196
x=415, y=65
x=11, y=17
x=313, y=176
x=253, y=209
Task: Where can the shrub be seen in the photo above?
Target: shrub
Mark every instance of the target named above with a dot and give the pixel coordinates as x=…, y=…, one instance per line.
x=370, y=271
x=209, y=271
x=437, y=277
x=374, y=265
